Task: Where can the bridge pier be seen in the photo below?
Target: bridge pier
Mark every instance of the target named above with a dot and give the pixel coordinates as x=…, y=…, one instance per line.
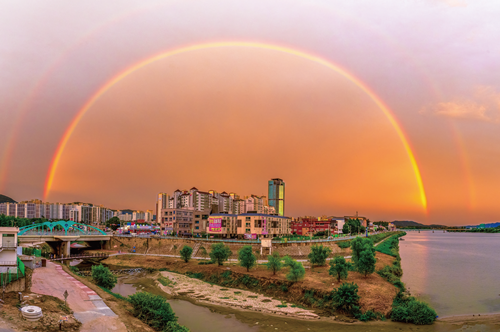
x=65, y=248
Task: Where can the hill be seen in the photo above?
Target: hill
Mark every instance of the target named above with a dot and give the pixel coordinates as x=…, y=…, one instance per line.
x=409, y=223
x=6, y=199
x=406, y=223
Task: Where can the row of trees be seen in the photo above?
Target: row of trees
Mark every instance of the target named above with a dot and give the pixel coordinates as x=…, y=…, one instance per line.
x=363, y=259
x=11, y=221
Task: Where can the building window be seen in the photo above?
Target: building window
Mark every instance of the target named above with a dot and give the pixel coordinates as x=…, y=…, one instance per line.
x=248, y=224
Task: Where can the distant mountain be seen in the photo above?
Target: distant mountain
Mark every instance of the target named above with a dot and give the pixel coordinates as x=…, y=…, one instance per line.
x=409, y=223
x=406, y=223
x=6, y=199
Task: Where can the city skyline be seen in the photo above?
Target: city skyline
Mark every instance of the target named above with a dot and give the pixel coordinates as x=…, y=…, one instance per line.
x=228, y=95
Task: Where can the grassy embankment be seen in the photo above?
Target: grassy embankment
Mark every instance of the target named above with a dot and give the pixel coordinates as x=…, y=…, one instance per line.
x=405, y=308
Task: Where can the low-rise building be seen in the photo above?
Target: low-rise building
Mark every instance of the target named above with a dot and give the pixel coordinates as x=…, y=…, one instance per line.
x=248, y=225
x=8, y=248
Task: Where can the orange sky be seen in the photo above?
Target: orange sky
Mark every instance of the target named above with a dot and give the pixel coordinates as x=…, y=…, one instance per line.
x=231, y=118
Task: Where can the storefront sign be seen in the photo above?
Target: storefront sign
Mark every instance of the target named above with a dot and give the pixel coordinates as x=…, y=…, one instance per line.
x=215, y=225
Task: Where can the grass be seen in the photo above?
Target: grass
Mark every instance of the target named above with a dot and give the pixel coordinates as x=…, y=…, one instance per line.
x=390, y=246
x=118, y=296
x=166, y=281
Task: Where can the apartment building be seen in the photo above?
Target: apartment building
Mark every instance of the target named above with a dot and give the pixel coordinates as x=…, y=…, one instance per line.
x=216, y=202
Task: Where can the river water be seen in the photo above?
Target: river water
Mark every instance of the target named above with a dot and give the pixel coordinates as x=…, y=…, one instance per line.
x=457, y=273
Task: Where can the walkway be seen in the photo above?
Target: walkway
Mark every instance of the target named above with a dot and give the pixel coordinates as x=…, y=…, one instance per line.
x=88, y=307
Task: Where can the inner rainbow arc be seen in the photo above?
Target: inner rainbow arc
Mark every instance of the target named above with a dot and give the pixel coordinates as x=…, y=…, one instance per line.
x=69, y=131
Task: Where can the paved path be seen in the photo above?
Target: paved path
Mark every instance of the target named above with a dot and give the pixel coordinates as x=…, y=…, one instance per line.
x=88, y=307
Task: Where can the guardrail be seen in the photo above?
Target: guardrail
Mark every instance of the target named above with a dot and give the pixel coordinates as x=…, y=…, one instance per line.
x=100, y=255
x=8, y=263
x=343, y=238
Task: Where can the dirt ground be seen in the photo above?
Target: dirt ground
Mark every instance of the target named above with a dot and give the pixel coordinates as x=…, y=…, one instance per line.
x=376, y=293
x=52, y=309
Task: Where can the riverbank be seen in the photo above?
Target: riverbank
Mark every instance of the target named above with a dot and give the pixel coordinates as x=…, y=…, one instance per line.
x=376, y=293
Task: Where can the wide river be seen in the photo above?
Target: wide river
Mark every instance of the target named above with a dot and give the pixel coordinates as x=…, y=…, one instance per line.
x=457, y=273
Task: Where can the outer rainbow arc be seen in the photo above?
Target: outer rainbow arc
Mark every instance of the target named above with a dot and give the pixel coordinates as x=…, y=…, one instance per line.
x=113, y=81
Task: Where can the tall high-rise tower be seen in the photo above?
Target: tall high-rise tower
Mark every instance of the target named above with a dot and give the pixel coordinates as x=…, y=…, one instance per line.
x=277, y=195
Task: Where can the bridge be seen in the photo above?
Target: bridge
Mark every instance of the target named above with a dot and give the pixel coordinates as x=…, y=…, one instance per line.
x=59, y=235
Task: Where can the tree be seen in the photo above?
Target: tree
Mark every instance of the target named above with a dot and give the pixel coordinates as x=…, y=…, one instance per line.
x=339, y=268
x=318, y=255
x=297, y=270
x=186, y=253
x=103, y=276
x=358, y=245
x=220, y=253
x=346, y=298
x=274, y=262
x=113, y=223
x=353, y=226
x=246, y=257
x=366, y=262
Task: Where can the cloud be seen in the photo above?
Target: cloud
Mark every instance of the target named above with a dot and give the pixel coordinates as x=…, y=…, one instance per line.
x=483, y=106
x=455, y=3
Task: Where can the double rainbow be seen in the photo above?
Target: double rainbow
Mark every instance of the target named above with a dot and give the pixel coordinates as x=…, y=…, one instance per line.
x=69, y=131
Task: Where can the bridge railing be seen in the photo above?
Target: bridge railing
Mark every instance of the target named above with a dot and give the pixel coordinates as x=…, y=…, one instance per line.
x=69, y=233
x=99, y=255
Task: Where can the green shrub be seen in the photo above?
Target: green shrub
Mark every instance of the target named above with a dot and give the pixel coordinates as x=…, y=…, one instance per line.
x=74, y=269
x=153, y=310
x=346, y=298
x=175, y=327
x=205, y=263
x=410, y=310
x=186, y=253
x=220, y=253
x=103, y=276
x=226, y=274
x=344, y=244
x=274, y=262
x=368, y=315
x=318, y=255
x=246, y=257
x=284, y=288
x=198, y=275
x=309, y=297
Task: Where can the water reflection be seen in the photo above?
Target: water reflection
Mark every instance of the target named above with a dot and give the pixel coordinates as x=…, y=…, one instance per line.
x=456, y=272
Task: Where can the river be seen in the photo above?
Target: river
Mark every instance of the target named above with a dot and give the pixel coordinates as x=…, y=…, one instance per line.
x=457, y=273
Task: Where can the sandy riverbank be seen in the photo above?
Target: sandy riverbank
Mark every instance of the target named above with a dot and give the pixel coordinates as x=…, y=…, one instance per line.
x=206, y=293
